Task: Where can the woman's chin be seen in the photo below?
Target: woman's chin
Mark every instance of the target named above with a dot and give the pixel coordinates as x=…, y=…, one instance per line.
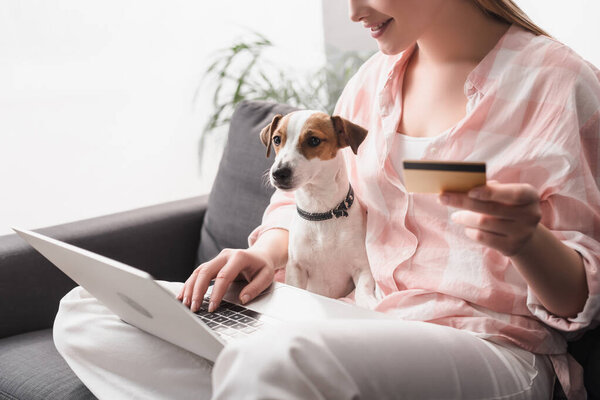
x=390, y=49
x=387, y=51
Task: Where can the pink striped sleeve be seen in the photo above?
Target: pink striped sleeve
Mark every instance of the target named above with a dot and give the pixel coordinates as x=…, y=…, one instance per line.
x=589, y=317
x=572, y=212
x=278, y=214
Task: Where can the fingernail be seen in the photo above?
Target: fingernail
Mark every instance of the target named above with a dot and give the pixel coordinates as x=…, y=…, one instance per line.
x=245, y=298
x=194, y=306
x=186, y=300
x=211, y=306
x=475, y=193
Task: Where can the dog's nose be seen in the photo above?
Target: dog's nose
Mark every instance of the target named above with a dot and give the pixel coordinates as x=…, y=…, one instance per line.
x=282, y=175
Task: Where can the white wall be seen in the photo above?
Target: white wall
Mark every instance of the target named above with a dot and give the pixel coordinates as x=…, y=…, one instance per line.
x=96, y=111
x=573, y=22
x=342, y=33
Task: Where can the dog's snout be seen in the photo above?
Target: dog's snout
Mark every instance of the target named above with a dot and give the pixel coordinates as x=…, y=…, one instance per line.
x=282, y=175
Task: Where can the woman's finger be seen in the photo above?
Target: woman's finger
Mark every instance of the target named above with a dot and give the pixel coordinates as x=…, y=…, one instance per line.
x=205, y=274
x=258, y=283
x=226, y=275
x=489, y=223
x=489, y=239
x=215, y=263
x=461, y=200
x=187, y=282
x=185, y=297
x=515, y=194
x=528, y=212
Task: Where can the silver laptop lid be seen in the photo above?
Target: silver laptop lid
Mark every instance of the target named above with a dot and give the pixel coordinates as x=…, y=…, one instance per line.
x=130, y=293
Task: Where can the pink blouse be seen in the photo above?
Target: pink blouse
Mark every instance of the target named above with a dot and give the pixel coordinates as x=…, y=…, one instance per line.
x=533, y=116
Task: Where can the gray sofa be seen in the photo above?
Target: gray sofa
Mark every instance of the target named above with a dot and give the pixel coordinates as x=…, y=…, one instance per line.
x=168, y=241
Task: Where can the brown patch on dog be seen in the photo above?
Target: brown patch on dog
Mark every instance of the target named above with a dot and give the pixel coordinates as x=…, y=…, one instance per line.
x=348, y=133
x=319, y=125
x=335, y=133
x=277, y=127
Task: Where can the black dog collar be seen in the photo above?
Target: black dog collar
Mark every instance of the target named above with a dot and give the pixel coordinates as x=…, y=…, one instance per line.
x=340, y=211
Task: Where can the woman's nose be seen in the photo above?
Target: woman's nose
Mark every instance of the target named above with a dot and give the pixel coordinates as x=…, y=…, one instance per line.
x=356, y=9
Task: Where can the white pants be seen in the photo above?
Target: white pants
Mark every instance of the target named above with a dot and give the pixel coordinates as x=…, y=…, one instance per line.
x=341, y=359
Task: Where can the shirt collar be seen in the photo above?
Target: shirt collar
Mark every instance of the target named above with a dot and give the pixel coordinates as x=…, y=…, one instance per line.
x=485, y=74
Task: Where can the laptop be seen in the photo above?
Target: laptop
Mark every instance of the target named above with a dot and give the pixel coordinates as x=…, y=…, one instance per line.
x=139, y=300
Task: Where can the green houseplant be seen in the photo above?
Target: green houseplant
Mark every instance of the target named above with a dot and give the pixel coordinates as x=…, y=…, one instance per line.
x=241, y=71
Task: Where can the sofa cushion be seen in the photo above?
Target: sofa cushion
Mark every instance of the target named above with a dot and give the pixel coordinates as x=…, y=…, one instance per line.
x=586, y=351
x=592, y=371
x=240, y=193
x=31, y=368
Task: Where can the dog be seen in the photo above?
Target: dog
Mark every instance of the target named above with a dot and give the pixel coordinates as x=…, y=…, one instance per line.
x=326, y=253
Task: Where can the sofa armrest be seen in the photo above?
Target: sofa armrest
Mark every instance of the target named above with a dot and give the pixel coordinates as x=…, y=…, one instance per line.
x=161, y=239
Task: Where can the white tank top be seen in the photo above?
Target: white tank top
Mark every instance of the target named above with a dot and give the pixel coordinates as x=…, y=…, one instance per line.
x=406, y=147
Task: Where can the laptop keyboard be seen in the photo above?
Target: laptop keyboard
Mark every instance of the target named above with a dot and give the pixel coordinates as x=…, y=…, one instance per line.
x=231, y=321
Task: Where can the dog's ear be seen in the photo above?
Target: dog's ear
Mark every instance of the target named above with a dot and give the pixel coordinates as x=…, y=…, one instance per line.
x=348, y=133
x=266, y=135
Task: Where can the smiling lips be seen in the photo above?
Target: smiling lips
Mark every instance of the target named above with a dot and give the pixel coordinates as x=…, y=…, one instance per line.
x=377, y=30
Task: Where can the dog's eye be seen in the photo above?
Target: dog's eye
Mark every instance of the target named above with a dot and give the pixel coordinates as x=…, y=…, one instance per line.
x=276, y=140
x=314, y=141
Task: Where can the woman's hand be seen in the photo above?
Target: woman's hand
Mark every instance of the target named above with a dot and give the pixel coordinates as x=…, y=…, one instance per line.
x=502, y=216
x=253, y=265
x=256, y=264
x=506, y=217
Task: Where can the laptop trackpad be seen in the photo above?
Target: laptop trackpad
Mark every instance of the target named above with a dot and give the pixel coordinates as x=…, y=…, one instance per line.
x=289, y=303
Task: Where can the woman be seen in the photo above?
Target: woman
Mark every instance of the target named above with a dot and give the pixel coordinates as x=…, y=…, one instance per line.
x=477, y=280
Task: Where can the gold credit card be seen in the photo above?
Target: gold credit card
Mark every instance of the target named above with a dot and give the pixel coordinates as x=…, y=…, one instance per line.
x=423, y=176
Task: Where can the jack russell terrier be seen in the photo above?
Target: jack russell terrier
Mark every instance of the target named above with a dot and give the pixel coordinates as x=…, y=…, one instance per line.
x=326, y=253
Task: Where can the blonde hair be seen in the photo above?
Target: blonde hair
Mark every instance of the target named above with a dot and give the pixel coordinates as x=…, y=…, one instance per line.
x=508, y=11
